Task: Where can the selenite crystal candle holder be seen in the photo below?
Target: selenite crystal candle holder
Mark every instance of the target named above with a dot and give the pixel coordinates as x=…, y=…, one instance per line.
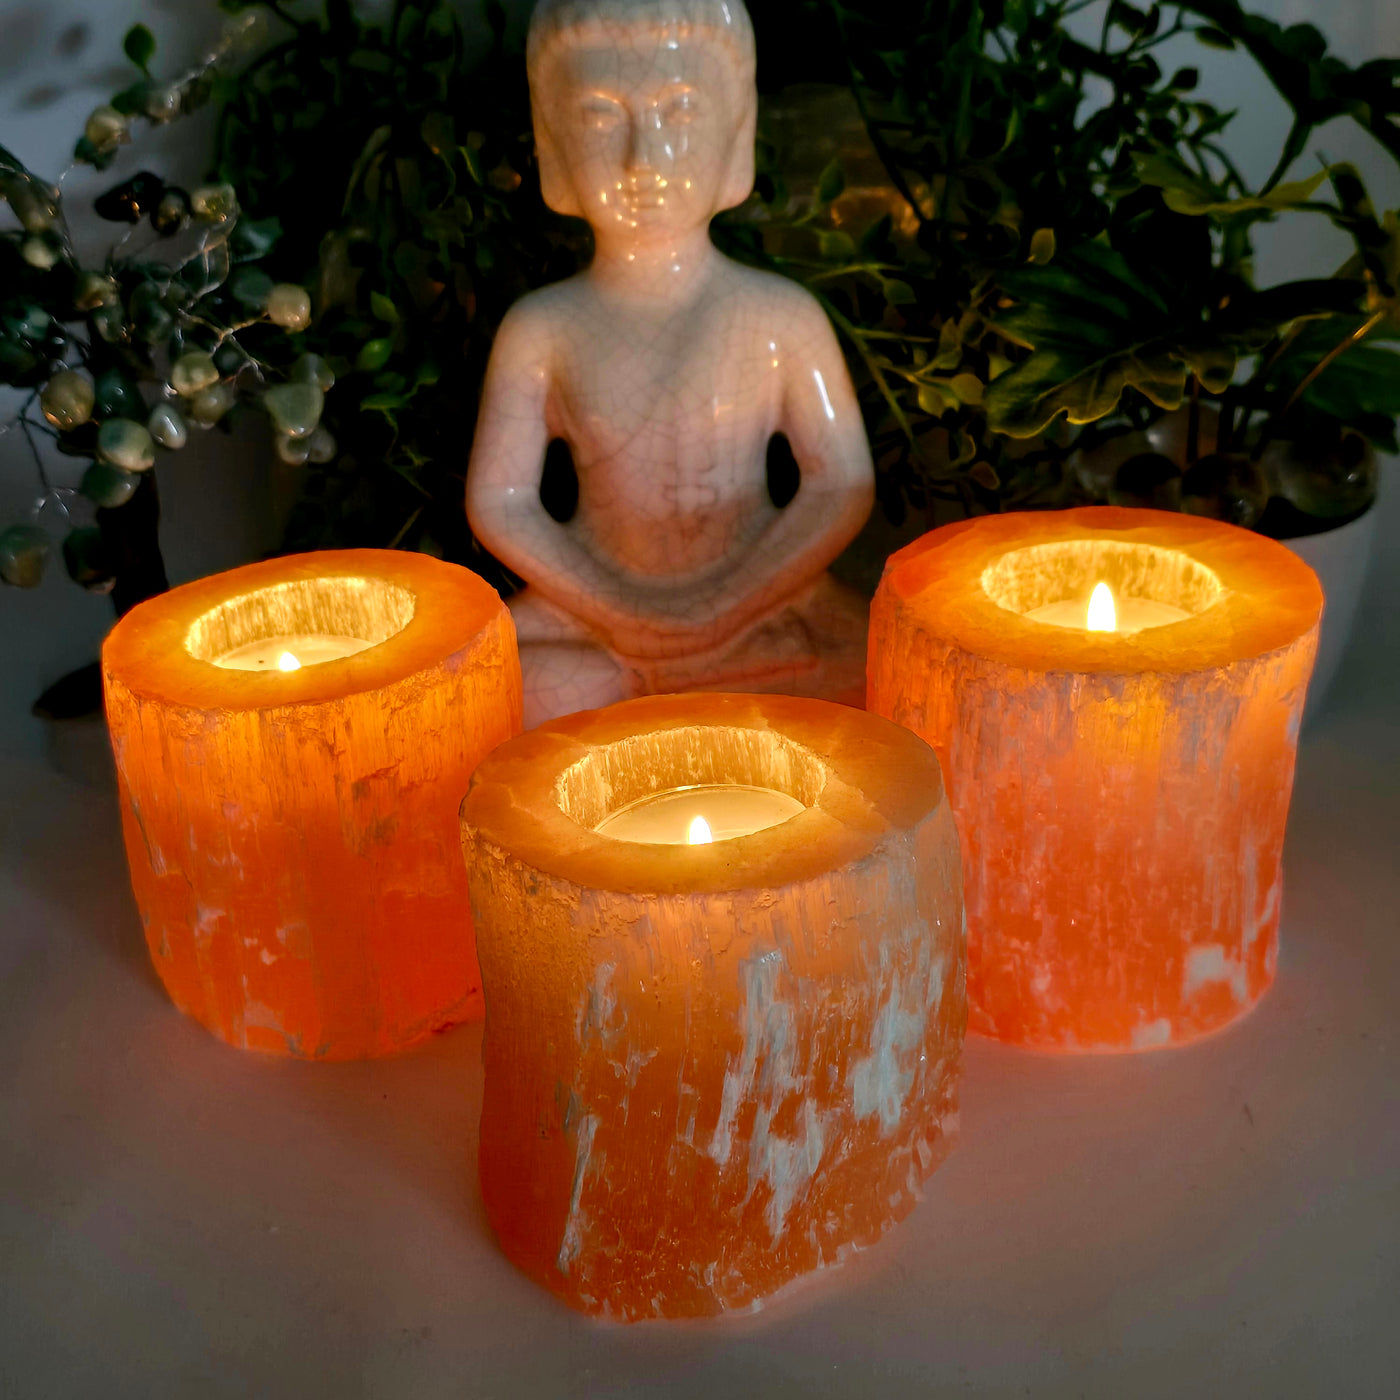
x=1121, y=795
x=711, y=1069
x=290, y=821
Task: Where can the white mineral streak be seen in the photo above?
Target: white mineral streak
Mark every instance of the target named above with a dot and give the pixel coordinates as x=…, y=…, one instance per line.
x=880, y=1082
x=1153, y=748
x=767, y=1036
x=256, y=1014
x=672, y=1078
x=575, y=1223
x=206, y=923
x=1155, y=1033
x=1211, y=963
x=599, y=1007
x=787, y=1165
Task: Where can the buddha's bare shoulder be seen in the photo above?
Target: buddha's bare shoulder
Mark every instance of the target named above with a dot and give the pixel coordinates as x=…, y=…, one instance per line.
x=773, y=292
x=538, y=319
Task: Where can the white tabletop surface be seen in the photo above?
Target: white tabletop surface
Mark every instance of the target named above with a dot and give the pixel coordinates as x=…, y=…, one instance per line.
x=179, y=1218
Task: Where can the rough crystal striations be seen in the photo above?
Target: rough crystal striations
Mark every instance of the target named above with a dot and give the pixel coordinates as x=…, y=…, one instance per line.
x=292, y=837
x=711, y=1070
x=1121, y=799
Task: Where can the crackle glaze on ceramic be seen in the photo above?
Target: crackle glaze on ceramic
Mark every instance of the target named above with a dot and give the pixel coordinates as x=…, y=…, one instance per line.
x=667, y=369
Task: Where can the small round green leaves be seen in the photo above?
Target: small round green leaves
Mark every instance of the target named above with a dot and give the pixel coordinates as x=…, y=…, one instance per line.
x=108, y=486
x=321, y=445
x=295, y=409
x=214, y=204
x=374, y=354
x=312, y=369
x=24, y=549
x=67, y=399
x=293, y=451
x=193, y=372
x=209, y=405
x=125, y=444
x=167, y=427
x=93, y=289
x=289, y=306
x=117, y=397
x=88, y=560
x=106, y=128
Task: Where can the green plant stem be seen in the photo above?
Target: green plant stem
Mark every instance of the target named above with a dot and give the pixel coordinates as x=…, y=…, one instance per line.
x=1331, y=357
x=960, y=134
x=1193, y=424
x=405, y=528
x=1260, y=376
x=1225, y=430
x=1293, y=85
x=882, y=149
x=1163, y=37
x=1231, y=169
x=853, y=334
x=1293, y=147
x=24, y=426
x=852, y=270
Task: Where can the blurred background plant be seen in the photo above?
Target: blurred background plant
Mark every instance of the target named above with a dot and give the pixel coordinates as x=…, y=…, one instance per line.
x=401, y=167
x=1033, y=244
x=177, y=326
x=1040, y=255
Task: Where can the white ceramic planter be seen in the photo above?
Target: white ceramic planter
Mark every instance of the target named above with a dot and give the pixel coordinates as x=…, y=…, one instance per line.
x=1340, y=558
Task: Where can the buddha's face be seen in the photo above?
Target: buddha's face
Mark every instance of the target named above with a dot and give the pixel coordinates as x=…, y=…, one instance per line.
x=643, y=134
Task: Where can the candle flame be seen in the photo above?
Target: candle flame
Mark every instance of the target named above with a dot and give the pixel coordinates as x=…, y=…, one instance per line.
x=699, y=833
x=1103, y=617
x=288, y=662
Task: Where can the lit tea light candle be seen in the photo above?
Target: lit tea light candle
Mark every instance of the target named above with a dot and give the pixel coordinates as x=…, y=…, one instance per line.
x=1121, y=795
x=290, y=653
x=711, y=1067
x=699, y=814
x=1105, y=613
x=290, y=823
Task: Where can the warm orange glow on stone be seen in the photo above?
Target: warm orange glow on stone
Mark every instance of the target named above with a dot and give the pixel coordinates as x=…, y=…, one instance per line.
x=1121, y=796
x=292, y=834
x=711, y=1069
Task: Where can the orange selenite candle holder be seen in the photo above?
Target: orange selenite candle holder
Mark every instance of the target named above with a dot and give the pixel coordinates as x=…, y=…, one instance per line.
x=1121, y=797
x=292, y=836
x=712, y=1069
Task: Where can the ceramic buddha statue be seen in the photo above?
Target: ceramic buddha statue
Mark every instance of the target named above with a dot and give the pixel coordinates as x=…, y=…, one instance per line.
x=667, y=369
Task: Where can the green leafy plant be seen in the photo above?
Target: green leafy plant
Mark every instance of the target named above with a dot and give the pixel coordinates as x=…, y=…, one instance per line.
x=1075, y=264
x=176, y=327
x=1044, y=290
x=401, y=167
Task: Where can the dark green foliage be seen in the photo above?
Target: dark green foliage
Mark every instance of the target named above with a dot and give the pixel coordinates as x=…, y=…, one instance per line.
x=1070, y=262
x=1059, y=252
x=82, y=340
x=139, y=46
x=402, y=171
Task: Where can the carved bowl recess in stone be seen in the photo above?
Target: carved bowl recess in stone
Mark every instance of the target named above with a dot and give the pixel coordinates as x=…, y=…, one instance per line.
x=291, y=741
x=1121, y=795
x=712, y=1069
